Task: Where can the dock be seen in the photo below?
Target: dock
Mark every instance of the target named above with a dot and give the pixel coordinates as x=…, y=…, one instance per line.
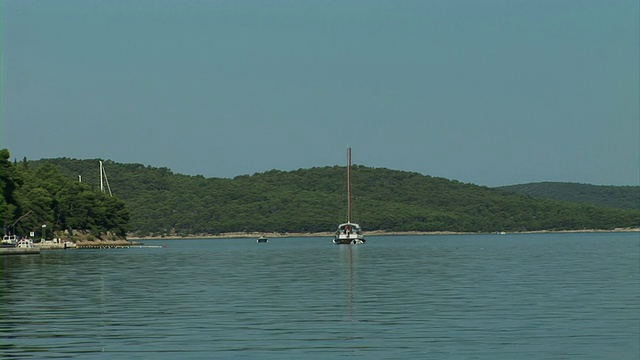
x=19, y=251
x=55, y=245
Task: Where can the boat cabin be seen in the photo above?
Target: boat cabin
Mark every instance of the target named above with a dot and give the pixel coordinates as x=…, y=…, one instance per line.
x=349, y=233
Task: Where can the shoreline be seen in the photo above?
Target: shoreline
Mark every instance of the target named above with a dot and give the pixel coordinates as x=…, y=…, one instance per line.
x=138, y=241
x=368, y=233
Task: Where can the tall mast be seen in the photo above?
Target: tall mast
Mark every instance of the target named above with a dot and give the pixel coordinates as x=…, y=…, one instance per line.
x=106, y=180
x=101, y=182
x=349, y=184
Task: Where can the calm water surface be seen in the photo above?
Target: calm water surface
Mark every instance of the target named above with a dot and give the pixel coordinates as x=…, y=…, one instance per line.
x=547, y=296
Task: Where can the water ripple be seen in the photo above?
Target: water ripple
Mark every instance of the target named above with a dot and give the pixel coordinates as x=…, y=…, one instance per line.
x=570, y=296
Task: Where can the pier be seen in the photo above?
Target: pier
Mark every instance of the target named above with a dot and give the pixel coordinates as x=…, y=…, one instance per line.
x=19, y=250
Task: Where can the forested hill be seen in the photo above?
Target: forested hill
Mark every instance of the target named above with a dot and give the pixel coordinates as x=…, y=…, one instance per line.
x=44, y=202
x=623, y=197
x=314, y=200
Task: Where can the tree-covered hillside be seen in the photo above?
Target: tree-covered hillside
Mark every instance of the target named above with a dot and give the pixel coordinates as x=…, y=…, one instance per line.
x=314, y=200
x=43, y=201
x=622, y=197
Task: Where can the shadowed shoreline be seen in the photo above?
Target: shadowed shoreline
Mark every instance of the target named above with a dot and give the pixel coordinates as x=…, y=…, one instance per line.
x=367, y=233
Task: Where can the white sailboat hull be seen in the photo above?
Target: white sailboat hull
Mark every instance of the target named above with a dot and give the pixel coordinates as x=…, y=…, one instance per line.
x=349, y=240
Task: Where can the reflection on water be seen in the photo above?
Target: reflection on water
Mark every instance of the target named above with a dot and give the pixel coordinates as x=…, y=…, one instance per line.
x=350, y=279
x=572, y=296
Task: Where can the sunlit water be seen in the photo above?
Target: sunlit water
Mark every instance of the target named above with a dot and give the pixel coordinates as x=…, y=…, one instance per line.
x=551, y=296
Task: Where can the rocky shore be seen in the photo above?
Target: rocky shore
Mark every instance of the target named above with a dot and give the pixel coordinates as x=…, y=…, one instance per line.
x=367, y=233
x=105, y=243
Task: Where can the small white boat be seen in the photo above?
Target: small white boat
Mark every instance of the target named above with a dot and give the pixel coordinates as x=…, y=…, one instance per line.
x=349, y=233
x=9, y=241
x=262, y=239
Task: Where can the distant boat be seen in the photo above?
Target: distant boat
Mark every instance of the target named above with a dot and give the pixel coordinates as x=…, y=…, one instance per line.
x=10, y=241
x=349, y=233
x=262, y=239
x=13, y=245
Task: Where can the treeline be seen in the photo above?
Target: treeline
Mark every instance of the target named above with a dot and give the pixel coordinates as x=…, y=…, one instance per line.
x=314, y=200
x=623, y=197
x=44, y=201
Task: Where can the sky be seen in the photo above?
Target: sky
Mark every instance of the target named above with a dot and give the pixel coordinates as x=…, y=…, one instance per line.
x=485, y=92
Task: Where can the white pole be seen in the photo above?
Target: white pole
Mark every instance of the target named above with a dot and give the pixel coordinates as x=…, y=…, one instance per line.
x=101, y=185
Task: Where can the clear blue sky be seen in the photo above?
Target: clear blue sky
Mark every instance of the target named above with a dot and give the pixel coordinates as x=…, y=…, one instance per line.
x=486, y=92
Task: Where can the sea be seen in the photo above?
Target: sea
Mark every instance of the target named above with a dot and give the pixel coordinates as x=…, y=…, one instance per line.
x=513, y=296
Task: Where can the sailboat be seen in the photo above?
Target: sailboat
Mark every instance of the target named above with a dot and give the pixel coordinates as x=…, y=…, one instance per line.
x=349, y=233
